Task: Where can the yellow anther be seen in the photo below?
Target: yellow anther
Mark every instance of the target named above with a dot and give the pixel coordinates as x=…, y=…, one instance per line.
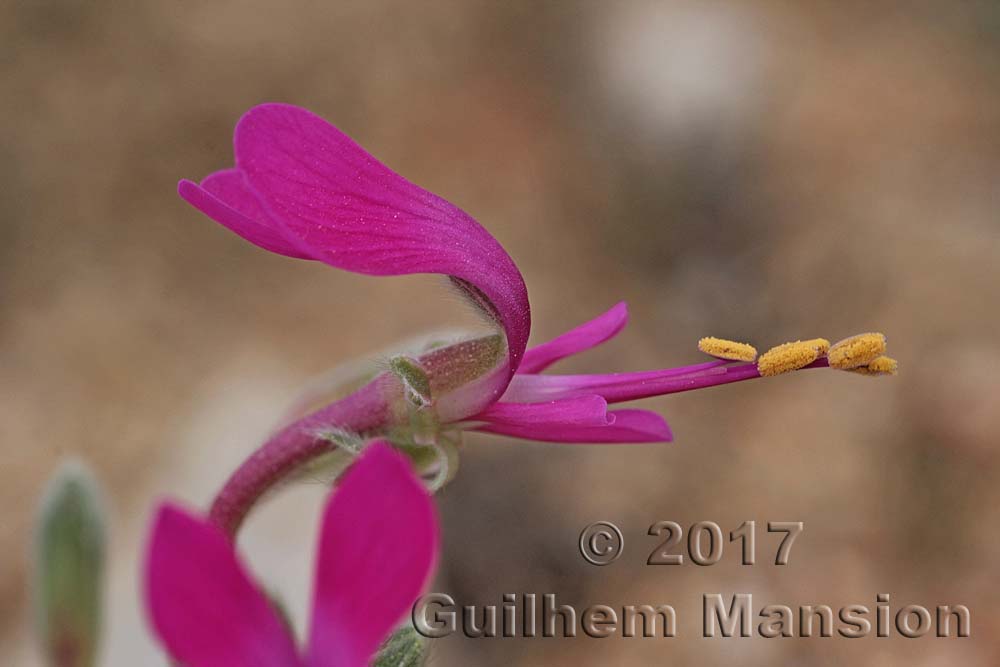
x=822, y=345
x=878, y=366
x=727, y=349
x=789, y=357
x=856, y=351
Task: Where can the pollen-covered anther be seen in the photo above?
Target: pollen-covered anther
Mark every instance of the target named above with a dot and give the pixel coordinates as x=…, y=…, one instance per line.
x=822, y=345
x=856, y=351
x=789, y=357
x=878, y=366
x=721, y=348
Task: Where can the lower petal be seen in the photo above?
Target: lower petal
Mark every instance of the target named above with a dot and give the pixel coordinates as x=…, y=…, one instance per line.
x=377, y=549
x=202, y=603
x=579, y=411
x=624, y=426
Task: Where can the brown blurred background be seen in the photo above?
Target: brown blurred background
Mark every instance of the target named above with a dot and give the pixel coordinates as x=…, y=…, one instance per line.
x=762, y=171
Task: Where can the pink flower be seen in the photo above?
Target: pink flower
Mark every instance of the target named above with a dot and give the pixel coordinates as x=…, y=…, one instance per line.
x=378, y=545
x=303, y=189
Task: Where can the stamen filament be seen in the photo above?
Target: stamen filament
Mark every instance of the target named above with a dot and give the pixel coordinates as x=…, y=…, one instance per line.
x=619, y=387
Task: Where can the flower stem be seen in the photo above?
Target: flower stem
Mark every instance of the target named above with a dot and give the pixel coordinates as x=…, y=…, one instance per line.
x=295, y=444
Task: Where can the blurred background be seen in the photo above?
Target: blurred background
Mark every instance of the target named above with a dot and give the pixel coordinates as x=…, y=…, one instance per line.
x=762, y=171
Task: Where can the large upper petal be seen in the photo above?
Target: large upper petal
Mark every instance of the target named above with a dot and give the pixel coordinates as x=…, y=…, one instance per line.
x=318, y=193
x=202, y=603
x=589, y=334
x=378, y=547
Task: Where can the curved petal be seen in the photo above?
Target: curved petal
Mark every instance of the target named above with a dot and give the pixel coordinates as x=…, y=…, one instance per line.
x=587, y=335
x=624, y=426
x=377, y=549
x=579, y=411
x=201, y=602
x=352, y=212
x=224, y=197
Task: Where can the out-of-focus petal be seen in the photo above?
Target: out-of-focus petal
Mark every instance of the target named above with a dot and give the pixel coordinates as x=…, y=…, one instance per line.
x=624, y=426
x=352, y=212
x=587, y=335
x=618, y=387
x=224, y=197
x=378, y=546
x=202, y=603
x=579, y=411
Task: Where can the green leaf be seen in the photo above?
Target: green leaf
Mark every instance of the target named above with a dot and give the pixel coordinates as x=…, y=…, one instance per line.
x=405, y=648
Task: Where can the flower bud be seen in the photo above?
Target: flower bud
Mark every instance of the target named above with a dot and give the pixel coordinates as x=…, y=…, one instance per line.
x=69, y=564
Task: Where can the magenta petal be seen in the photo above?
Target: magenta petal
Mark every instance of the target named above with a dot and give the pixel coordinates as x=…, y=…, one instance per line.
x=201, y=602
x=224, y=197
x=377, y=549
x=579, y=411
x=587, y=335
x=624, y=426
x=352, y=212
x=634, y=426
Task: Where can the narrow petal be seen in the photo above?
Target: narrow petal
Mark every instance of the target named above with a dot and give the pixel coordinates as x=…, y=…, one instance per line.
x=352, y=212
x=579, y=411
x=377, y=549
x=202, y=603
x=574, y=341
x=624, y=426
x=224, y=197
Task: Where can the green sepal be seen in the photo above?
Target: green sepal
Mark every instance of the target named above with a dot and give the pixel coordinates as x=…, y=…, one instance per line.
x=455, y=365
x=446, y=449
x=437, y=461
x=416, y=382
x=405, y=648
x=343, y=439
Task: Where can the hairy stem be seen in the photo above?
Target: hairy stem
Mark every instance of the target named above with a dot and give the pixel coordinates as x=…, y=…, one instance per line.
x=363, y=411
